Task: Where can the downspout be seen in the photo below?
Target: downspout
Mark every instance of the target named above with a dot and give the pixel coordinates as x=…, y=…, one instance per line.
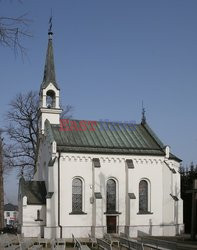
x=59, y=155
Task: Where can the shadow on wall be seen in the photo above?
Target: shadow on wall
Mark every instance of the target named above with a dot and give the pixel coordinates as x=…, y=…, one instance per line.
x=150, y=227
x=103, y=191
x=176, y=210
x=43, y=217
x=141, y=234
x=51, y=213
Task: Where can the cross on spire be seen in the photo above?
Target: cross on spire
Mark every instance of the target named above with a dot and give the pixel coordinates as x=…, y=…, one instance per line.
x=143, y=114
x=50, y=33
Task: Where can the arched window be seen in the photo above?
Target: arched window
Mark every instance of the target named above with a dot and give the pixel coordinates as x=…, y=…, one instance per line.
x=50, y=99
x=111, y=196
x=38, y=214
x=76, y=195
x=143, y=196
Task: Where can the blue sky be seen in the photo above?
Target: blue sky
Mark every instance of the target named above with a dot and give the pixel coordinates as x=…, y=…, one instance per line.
x=110, y=55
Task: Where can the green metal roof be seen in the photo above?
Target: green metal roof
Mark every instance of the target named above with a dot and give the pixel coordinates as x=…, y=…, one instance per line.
x=34, y=190
x=10, y=207
x=107, y=137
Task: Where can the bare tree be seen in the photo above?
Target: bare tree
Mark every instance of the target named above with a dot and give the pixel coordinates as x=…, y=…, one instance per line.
x=1, y=188
x=23, y=131
x=12, y=31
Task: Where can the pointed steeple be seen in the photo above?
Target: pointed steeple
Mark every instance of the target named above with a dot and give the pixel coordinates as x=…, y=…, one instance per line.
x=49, y=106
x=49, y=69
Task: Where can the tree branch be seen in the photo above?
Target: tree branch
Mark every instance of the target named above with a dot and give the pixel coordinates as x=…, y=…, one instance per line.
x=12, y=30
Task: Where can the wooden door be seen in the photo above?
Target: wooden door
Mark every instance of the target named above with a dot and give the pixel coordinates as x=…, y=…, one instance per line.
x=111, y=224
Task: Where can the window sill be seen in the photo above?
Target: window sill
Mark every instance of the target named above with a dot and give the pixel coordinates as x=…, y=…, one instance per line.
x=38, y=220
x=77, y=213
x=144, y=213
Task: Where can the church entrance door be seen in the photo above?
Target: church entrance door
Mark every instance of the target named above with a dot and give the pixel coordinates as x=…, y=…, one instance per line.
x=111, y=224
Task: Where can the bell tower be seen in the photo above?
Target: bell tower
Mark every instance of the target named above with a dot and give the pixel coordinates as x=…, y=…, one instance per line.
x=49, y=91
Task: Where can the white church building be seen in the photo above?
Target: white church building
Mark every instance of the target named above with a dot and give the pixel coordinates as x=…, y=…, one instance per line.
x=95, y=177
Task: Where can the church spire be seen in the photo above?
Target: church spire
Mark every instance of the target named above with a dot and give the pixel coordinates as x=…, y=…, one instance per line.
x=49, y=69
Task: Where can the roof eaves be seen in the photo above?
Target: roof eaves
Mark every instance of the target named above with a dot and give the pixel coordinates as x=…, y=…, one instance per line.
x=174, y=157
x=171, y=169
x=153, y=135
x=52, y=161
x=125, y=151
x=49, y=195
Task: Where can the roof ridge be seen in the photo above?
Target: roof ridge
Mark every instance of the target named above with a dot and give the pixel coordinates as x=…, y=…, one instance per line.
x=100, y=121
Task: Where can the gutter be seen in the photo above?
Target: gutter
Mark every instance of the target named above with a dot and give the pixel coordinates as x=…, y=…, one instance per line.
x=59, y=194
x=171, y=169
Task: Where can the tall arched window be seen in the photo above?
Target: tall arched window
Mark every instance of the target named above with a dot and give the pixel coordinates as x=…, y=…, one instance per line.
x=143, y=196
x=76, y=195
x=111, y=196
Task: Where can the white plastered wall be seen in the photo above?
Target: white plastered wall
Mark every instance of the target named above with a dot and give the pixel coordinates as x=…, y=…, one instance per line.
x=30, y=227
x=145, y=167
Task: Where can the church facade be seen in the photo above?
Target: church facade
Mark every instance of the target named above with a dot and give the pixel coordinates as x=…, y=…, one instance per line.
x=96, y=177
